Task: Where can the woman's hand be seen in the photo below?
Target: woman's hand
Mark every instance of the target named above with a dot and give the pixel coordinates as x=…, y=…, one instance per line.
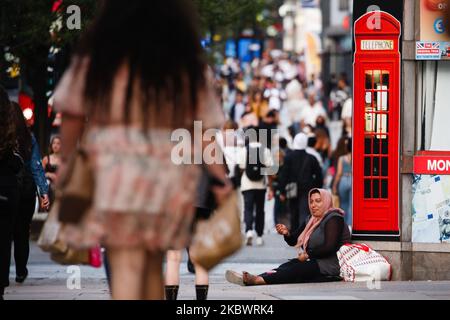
x=302, y=257
x=282, y=229
x=45, y=202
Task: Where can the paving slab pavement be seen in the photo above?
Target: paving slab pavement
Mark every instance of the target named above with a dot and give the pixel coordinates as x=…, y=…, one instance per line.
x=48, y=281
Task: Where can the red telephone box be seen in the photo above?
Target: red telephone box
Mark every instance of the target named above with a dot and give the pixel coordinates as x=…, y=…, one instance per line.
x=376, y=125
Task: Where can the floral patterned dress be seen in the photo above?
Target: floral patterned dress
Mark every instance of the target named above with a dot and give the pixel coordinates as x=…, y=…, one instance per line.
x=142, y=198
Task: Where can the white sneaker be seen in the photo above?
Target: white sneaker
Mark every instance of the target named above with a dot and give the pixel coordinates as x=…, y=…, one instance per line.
x=259, y=241
x=249, y=238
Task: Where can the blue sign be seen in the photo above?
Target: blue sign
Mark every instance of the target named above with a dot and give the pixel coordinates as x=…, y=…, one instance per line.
x=439, y=26
x=244, y=52
x=230, y=48
x=248, y=49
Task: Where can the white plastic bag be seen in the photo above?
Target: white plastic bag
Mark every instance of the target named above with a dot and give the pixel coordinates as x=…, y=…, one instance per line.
x=360, y=263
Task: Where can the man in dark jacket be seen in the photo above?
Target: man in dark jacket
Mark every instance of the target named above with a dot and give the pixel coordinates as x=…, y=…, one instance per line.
x=301, y=172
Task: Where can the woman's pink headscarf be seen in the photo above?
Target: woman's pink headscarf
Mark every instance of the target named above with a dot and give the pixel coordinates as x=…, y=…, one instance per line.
x=314, y=222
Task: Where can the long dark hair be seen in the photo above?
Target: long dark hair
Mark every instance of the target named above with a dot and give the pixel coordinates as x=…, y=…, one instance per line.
x=50, y=147
x=160, y=43
x=7, y=126
x=23, y=134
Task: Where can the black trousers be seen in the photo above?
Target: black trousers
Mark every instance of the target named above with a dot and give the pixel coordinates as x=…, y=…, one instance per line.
x=254, y=201
x=8, y=210
x=279, y=210
x=293, y=271
x=21, y=237
x=299, y=210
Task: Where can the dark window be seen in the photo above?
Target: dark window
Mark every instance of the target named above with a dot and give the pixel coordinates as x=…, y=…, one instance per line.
x=384, y=145
x=384, y=189
x=376, y=167
x=376, y=146
x=384, y=167
x=376, y=188
x=368, y=146
x=367, y=167
x=367, y=188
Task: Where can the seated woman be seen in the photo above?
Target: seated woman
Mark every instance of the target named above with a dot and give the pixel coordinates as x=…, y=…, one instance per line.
x=318, y=241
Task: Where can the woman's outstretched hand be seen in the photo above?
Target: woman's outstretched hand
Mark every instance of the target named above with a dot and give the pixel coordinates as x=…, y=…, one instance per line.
x=282, y=229
x=302, y=257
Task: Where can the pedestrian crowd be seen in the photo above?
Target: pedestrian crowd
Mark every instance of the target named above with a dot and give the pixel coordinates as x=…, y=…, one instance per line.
x=291, y=110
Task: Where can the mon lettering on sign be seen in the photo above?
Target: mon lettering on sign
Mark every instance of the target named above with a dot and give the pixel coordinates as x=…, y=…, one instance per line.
x=432, y=165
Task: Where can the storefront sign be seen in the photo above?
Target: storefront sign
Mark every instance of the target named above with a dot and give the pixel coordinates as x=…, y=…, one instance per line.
x=432, y=165
x=377, y=45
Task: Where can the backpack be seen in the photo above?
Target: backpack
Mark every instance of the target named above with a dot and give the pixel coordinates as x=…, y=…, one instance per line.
x=253, y=170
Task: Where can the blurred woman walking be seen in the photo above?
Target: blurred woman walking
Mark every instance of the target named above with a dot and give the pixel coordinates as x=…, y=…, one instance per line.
x=31, y=179
x=136, y=90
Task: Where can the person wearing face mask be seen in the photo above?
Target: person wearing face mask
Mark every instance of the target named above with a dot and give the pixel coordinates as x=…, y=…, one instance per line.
x=317, y=242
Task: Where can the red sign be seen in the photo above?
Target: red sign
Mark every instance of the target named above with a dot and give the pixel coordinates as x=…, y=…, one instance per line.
x=56, y=5
x=432, y=165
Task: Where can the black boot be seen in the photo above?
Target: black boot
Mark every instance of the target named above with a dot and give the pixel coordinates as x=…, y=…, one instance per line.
x=171, y=292
x=2, y=292
x=202, y=292
x=21, y=278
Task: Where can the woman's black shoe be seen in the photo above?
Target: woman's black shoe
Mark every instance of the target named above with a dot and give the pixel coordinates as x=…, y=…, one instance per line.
x=2, y=292
x=21, y=279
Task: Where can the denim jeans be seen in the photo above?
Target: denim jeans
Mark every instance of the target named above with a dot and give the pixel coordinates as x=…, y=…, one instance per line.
x=345, y=197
